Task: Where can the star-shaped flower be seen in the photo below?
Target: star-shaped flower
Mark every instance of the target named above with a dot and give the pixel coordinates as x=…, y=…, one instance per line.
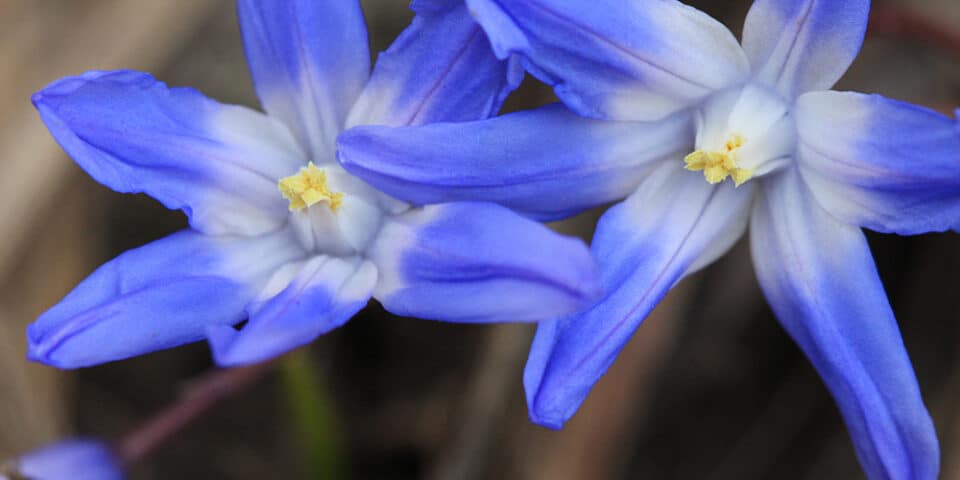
x=704, y=136
x=280, y=234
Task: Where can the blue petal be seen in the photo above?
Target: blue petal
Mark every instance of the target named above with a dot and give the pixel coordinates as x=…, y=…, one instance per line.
x=74, y=459
x=440, y=69
x=309, y=61
x=616, y=59
x=323, y=293
x=218, y=163
x=882, y=164
x=821, y=281
x=479, y=262
x=797, y=46
x=434, y=6
x=157, y=296
x=548, y=163
x=675, y=223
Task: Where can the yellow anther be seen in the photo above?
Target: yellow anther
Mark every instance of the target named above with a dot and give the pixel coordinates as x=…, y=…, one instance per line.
x=308, y=187
x=740, y=176
x=717, y=166
x=735, y=142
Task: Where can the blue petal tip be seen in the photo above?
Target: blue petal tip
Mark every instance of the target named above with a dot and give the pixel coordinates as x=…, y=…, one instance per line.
x=221, y=338
x=546, y=422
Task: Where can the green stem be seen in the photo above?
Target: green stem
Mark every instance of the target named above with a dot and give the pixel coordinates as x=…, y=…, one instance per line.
x=313, y=416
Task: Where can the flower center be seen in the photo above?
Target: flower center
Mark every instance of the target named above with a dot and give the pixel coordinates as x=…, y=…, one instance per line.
x=742, y=133
x=718, y=165
x=333, y=212
x=309, y=187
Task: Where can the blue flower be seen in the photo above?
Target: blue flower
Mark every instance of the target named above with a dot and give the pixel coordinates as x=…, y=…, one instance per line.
x=704, y=136
x=74, y=459
x=280, y=235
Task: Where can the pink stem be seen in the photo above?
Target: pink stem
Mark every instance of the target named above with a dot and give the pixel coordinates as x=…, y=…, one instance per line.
x=200, y=396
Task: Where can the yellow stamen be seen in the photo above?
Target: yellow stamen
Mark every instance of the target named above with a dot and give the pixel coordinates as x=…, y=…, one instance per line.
x=308, y=187
x=717, y=166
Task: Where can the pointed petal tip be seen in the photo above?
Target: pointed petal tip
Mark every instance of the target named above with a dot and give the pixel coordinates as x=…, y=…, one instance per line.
x=590, y=290
x=50, y=95
x=550, y=405
x=221, y=338
x=60, y=87
x=57, y=88
x=77, y=458
x=37, y=98
x=46, y=350
x=316, y=296
x=546, y=421
x=67, y=85
x=229, y=350
x=155, y=297
x=42, y=354
x=43, y=346
x=346, y=140
x=37, y=353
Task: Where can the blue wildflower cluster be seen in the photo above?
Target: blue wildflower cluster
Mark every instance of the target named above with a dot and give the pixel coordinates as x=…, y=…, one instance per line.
x=401, y=184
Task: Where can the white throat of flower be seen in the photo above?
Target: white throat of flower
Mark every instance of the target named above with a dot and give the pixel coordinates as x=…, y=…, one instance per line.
x=333, y=212
x=742, y=133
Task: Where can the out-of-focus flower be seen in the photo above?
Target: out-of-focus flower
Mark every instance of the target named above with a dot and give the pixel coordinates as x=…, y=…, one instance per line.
x=280, y=234
x=677, y=108
x=71, y=459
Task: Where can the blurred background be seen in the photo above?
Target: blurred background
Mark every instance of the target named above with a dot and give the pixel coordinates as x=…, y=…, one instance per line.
x=709, y=388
